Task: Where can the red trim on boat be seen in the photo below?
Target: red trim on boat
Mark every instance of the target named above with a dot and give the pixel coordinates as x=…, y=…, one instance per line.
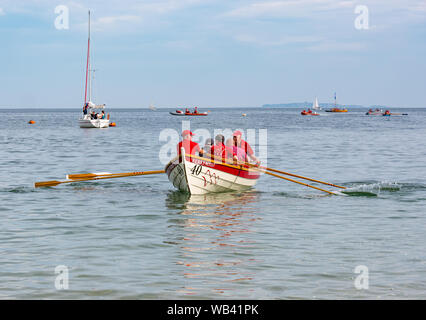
x=234, y=171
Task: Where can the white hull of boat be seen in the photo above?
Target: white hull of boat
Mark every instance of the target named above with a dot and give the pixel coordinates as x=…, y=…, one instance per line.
x=93, y=123
x=202, y=177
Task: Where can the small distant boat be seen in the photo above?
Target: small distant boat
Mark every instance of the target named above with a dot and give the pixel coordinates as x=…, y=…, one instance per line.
x=188, y=113
x=151, y=107
x=309, y=113
x=377, y=112
x=88, y=120
x=387, y=113
x=315, y=105
x=336, y=109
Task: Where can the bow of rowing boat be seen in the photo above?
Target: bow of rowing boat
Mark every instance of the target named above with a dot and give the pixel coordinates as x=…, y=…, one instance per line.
x=197, y=176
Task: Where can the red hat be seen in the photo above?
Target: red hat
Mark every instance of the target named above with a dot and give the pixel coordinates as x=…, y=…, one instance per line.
x=237, y=133
x=185, y=132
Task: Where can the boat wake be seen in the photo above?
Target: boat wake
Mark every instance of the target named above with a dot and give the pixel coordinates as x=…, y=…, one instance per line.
x=363, y=189
x=374, y=189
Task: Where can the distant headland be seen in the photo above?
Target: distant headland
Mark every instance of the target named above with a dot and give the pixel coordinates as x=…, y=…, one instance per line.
x=308, y=104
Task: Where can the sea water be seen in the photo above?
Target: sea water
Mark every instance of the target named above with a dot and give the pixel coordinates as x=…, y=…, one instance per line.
x=139, y=238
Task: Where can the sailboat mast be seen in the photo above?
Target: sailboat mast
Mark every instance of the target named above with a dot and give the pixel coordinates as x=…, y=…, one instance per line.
x=87, y=64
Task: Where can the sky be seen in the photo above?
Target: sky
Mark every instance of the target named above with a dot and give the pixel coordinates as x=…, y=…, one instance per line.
x=214, y=53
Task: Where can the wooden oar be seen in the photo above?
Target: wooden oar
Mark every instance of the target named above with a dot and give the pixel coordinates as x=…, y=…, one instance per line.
x=89, y=175
x=295, y=181
x=296, y=176
x=263, y=171
x=53, y=183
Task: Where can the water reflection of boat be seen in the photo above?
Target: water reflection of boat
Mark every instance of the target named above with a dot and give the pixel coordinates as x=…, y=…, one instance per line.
x=213, y=235
x=177, y=199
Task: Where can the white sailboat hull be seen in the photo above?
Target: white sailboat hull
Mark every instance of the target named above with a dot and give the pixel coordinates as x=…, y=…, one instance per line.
x=86, y=122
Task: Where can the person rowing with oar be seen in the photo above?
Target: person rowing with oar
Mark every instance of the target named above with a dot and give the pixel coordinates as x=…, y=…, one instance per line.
x=190, y=146
x=219, y=151
x=245, y=146
x=239, y=155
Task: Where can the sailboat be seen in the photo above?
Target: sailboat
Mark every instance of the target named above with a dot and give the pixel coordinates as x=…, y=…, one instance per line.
x=315, y=105
x=93, y=115
x=335, y=109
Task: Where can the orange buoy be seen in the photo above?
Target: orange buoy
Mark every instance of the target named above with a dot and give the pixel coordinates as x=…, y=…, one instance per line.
x=31, y=122
x=112, y=124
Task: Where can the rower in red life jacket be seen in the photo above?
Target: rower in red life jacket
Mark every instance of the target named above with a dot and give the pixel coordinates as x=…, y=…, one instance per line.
x=219, y=150
x=196, y=110
x=239, y=155
x=245, y=146
x=190, y=146
x=186, y=110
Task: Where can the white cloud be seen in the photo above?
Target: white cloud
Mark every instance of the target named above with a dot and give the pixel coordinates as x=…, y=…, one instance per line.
x=287, y=8
x=309, y=8
x=337, y=46
x=276, y=41
x=103, y=22
x=1, y=12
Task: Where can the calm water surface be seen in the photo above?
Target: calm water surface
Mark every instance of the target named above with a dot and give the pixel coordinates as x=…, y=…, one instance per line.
x=138, y=238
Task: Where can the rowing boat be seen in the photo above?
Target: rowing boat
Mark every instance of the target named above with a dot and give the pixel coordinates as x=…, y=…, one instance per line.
x=196, y=175
x=188, y=114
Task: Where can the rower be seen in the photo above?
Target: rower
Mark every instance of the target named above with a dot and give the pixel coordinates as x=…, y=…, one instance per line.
x=190, y=146
x=195, y=110
x=187, y=110
x=245, y=146
x=208, y=145
x=239, y=155
x=219, y=150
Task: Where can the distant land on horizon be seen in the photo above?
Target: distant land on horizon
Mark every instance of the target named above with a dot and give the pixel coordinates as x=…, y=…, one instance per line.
x=307, y=104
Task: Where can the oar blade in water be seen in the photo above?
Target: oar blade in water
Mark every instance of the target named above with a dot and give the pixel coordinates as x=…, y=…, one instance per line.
x=51, y=183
